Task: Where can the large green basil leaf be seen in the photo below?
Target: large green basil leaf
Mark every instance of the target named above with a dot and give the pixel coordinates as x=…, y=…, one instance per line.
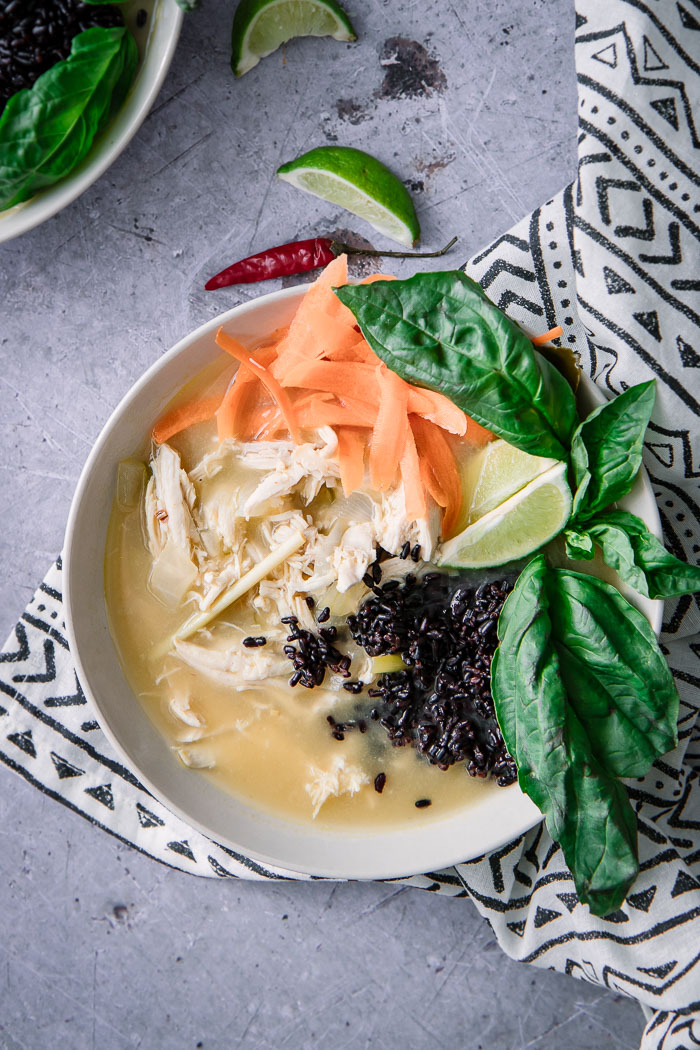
x=586, y=809
x=45, y=131
x=583, y=695
x=635, y=554
x=441, y=331
x=606, y=451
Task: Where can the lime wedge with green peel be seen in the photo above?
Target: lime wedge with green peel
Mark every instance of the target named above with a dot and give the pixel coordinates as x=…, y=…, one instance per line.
x=359, y=183
x=261, y=26
x=504, y=470
x=519, y=526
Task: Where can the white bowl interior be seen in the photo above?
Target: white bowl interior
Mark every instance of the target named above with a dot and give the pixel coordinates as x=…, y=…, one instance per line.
x=156, y=55
x=484, y=824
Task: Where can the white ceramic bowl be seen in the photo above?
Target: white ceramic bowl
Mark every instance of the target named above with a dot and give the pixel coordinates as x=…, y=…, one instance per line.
x=156, y=47
x=490, y=821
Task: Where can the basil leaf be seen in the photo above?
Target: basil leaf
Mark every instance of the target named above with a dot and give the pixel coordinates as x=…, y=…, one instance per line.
x=579, y=545
x=606, y=451
x=46, y=130
x=586, y=809
x=441, y=330
x=616, y=677
x=638, y=557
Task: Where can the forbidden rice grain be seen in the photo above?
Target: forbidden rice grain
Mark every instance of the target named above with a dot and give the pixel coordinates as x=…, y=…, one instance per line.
x=441, y=704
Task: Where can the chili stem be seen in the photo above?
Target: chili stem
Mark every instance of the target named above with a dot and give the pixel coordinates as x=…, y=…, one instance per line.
x=346, y=249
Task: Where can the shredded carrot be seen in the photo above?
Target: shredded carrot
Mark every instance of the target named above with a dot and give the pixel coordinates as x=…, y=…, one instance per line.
x=389, y=434
x=478, y=435
x=414, y=493
x=438, y=409
x=342, y=378
x=233, y=347
x=553, y=333
x=239, y=400
x=351, y=458
x=183, y=416
x=331, y=414
x=436, y=454
x=372, y=277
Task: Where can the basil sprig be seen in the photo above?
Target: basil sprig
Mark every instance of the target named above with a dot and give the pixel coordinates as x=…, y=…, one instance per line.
x=583, y=696
x=634, y=553
x=46, y=131
x=440, y=330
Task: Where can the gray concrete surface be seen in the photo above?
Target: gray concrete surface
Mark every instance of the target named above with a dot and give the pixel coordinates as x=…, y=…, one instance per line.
x=100, y=947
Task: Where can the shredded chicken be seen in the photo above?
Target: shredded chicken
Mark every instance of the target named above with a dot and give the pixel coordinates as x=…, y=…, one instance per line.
x=235, y=668
x=170, y=497
x=340, y=779
x=307, y=467
x=353, y=555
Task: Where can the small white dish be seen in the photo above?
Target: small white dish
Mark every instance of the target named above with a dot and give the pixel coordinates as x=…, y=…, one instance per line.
x=486, y=823
x=156, y=48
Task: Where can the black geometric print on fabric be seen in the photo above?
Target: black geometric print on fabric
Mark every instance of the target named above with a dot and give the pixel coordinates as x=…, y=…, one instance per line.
x=102, y=794
x=675, y=258
x=642, y=901
x=22, y=653
x=24, y=741
x=615, y=284
x=146, y=818
x=183, y=848
x=64, y=768
x=49, y=672
x=76, y=699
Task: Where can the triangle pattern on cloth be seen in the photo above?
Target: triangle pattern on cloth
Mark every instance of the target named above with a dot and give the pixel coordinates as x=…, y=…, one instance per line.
x=518, y=928
x=615, y=284
x=662, y=451
x=545, y=915
x=642, y=901
x=64, y=768
x=650, y=321
x=183, y=848
x=684, y=883
x=569, y=900
x=607, y=55
x=103, y=794
x=689, y=357
x=659, y=971
x=146, y=818
x=24, y=741
x=19, y=655
x=652, y=59
x=666, y=108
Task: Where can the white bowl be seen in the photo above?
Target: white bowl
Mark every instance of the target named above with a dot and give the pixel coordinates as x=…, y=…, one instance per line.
x=484, y=824
x=156, y=48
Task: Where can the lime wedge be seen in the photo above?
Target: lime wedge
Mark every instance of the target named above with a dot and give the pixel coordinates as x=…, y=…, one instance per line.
x=361, y=184
x=521, y=525
x=503, y=471
x=261, y=26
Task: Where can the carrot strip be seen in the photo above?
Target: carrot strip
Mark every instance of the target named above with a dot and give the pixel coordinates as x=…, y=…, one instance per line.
x=351, y=458
x=233, y=347
x=438, y=409
x=389, y=434
x=553, y=333
x=183, y=416
x=414, y=493
x=437, y=456
x=478, y=435
x=231, y=418
x=342, y=378
x=372, y=277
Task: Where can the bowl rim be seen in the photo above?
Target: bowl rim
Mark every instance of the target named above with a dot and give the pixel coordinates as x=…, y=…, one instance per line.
x=48, y=202
x=501, y=832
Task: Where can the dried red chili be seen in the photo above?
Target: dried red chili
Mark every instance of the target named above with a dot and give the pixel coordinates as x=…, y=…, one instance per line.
x=298, y=257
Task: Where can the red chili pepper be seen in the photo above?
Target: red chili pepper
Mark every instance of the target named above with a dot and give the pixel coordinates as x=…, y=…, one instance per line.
x=299, y=257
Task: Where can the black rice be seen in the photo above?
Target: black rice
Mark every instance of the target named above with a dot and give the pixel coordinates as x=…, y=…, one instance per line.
x=35, y=34
x=379, y=782
x=313, y=655
x=441, y=704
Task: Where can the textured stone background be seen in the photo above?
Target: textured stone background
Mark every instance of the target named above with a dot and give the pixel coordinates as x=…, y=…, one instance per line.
x=474, y=105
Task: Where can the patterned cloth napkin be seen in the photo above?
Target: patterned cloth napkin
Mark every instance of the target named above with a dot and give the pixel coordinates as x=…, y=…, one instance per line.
x=615, y=260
